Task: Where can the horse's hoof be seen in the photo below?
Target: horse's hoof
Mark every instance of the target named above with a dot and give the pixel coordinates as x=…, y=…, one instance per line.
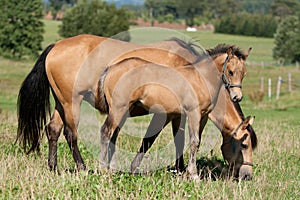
x=195, y=178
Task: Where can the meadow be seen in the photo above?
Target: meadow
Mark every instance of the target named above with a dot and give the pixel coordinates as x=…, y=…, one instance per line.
x=276, y=171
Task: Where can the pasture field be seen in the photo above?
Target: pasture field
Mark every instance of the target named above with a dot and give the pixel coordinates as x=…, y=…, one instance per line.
x=276, y=173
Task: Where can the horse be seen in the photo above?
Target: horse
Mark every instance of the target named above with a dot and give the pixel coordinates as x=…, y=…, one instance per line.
x=71, y=68
x=229, y=119
x=190, y=90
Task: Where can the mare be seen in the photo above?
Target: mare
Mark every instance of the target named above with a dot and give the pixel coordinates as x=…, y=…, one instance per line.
x=71, y=68
x=191, y=90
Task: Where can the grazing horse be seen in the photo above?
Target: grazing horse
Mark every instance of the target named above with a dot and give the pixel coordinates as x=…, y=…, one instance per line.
x=239, y=139
x=71, y=69
x=191, y=90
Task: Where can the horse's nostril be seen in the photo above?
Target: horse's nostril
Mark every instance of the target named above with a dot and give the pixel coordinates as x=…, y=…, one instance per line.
x=247, y=177
x=235, y=99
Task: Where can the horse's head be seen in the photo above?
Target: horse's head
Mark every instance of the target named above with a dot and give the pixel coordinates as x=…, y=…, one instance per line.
x=237, y=150
x=231, y=63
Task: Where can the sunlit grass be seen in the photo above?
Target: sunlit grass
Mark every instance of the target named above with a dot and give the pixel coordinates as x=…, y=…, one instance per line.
x=276, y=173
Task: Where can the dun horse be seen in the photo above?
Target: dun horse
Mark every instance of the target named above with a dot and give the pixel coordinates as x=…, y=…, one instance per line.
x=239, y=139
x=71, y=68
x=190, y=90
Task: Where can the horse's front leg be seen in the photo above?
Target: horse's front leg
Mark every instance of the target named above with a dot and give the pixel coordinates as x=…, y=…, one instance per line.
x=71, y=119
x=194, y=126
x=178, y=127
x=158, y=122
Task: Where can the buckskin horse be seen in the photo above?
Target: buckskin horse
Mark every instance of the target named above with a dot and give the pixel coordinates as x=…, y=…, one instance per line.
x=71, y=68
x=190, y=90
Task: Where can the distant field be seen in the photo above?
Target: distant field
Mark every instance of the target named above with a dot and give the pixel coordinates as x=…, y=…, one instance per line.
x=262, y=47
x=276, y=172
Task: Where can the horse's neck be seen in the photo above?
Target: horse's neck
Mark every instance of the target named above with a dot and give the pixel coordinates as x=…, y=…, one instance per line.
x=224, y=115
x=210, y=71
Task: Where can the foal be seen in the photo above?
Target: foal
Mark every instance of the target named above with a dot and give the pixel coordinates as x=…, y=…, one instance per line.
x=187, y=90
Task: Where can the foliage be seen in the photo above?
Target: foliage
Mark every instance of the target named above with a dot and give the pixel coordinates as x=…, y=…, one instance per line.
x=284, y=8
x=276, y=160
x=247, y=24
x=189, y=10
x=287, y=40
x=97, y=18
x=257, y=6
x=21, y=27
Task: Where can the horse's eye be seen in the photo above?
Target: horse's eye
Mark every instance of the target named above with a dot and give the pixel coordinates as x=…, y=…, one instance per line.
x=244, y=146
x=230, y=73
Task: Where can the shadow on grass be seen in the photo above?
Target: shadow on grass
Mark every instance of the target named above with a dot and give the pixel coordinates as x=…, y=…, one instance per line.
x=211, y=169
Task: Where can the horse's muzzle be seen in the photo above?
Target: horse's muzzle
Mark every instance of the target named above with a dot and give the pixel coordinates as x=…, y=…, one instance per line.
x=236, y=96
x=245, y=173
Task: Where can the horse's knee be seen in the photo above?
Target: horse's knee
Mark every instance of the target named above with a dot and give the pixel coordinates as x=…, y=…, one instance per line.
x=70, y=136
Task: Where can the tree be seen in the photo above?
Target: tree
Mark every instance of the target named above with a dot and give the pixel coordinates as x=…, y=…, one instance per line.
x=247, y=24
x=287, y=40
x=57, y=5
x=97, y=18
x=189, y=10
x=21, y=28
x=283, y=8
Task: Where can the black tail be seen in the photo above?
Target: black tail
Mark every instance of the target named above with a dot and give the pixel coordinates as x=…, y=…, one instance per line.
x=34, y=105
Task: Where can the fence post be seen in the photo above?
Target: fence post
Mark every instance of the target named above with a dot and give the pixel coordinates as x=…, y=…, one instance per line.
x=297, y=65
x=278, y=87
x=269, y=88
x=290, y=81
x=262, y=84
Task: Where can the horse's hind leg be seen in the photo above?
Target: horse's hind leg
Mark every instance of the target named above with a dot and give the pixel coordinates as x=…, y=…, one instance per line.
x=178, y=127
x=158, y=122
x=110, y=130
x=54, y=130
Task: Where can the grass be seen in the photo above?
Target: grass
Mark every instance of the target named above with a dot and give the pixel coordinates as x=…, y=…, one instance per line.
x=276, y=174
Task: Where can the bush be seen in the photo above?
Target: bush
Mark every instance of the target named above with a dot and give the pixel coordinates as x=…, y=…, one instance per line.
x=21, y=28
x=287, y=40
x=97, y=18
x=247, y=24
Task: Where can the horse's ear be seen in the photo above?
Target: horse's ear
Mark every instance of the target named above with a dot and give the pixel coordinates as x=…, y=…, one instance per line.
x=230, y=52
x=248, y=121
x=251, y=120
x=247, y=53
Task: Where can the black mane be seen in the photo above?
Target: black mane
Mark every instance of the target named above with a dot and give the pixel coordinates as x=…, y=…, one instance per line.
x=219, y=49
x=190, y=46
x=222, y=48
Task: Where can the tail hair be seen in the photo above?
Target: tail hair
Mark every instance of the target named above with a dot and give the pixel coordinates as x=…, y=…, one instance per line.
x=100, y=99
x=34, y=105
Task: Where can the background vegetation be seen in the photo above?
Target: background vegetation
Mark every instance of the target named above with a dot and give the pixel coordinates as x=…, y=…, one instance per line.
x=276, y=170
x=21, y=29
x=103, y=20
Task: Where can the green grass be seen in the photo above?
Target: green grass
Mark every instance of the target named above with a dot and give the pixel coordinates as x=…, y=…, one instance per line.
x=276, y=173
x=261, y=47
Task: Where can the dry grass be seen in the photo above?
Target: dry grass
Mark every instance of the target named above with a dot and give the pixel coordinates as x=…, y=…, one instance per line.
x=276, y=171
x=276, y=174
